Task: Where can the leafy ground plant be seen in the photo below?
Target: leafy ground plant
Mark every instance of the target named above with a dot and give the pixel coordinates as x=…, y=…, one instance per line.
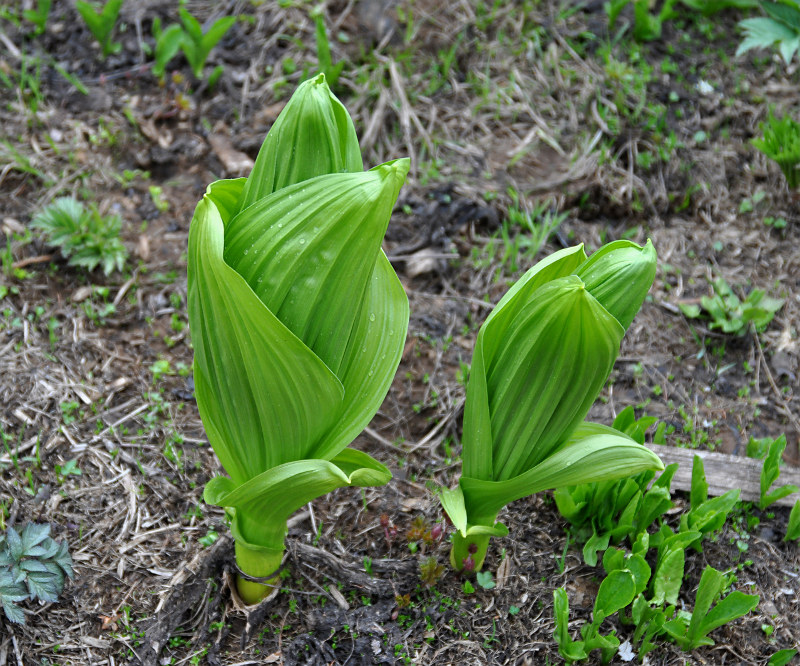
x=197, y=45
x=101, y=22
x=781, y=143
x=540, y=360
x=32, y=566
x=781, y=25
x=293, y=360
x=39, y=15
x=84, y=236
x=731, y=314
x=690, y=631
x=616, y=592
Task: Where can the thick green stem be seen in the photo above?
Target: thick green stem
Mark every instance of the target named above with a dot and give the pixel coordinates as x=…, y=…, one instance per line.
x=257, y=562
x=467, y=553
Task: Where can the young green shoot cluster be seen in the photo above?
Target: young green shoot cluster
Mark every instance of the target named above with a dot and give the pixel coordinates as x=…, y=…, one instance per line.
x=84, y=236
x=781, y=141
x=32, y=566
x=540, y=361
x=298, y=323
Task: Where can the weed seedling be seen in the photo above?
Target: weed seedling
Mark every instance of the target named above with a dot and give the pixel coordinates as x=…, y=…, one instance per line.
x=100, y=22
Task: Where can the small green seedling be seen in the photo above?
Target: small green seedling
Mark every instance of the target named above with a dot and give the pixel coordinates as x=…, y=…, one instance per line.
x=793, y=529
x=782, y=657
x=39, y=15
x=770, y=472
x=32, y=566
x=690, y=631
x=85, y=237
x=670, y=559
x=101, y=23
x=168, y=43
x=195, y=44
x=781, y=143
x=732, y=315
x=706, y=515
x=616, y=592
x=332, y=72
x=781, y=26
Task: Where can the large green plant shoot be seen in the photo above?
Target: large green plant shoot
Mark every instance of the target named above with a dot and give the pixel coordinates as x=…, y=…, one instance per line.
x=298, y=323
x=540, y=360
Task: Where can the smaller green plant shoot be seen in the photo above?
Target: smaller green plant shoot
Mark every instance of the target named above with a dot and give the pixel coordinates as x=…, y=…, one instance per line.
x=298, y=322
x=732, y=315
x=325, y=61
x=189, y=38
x=793, y=529
x=770, y=472
x=101, y=22
x=39, y=15
x=690, y=630
x=781, y=143
x=781, y=25
x=616, y=592
x=32, y=566
x=84, y=237
x=540, y=360
x=705, y=515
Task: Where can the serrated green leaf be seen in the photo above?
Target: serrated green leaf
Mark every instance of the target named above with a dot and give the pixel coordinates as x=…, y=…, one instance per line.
x=34, y=534
x=13, y=612
x=43, y=585
x=13, y=544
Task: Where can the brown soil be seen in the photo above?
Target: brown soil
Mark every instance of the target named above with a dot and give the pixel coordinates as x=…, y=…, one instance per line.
x=528, y=103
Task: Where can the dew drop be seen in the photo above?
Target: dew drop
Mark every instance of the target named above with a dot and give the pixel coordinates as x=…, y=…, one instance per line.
x=302, y=240
x=372, y=316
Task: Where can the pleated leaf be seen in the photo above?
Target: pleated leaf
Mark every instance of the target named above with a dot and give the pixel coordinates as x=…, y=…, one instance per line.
x=263, y=503
x=556, y=356
x=309, y=250
x=261, y=392
x=592, y=453
x=619, y=276
x=312, y=136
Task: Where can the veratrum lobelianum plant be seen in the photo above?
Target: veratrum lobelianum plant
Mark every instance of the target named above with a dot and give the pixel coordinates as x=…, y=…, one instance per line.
x=298, y=323
x=540, y=360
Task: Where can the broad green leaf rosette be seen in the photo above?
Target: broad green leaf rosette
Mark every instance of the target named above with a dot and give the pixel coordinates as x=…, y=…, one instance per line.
x=540, y=361
x=298, y=322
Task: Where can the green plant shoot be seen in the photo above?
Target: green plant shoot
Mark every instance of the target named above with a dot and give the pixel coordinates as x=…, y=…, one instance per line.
x=781, y=143
x=195, y=44
x=298, y=322
x=540, y=360
x=85, y=237
x=770, y=471
x=691, y=632
x=101, y=23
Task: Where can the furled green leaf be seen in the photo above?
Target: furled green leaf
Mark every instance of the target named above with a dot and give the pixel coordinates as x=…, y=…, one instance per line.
x=592, y=453
x=265, y=502
x=793, y=528
x=302, y=143
x=569, y=649
x=619, y=276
